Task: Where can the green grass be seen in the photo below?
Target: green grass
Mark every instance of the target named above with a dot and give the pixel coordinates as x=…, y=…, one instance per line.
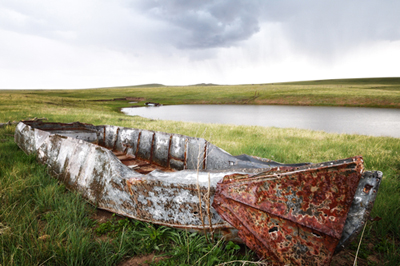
x=43, y=223
x=382, y=92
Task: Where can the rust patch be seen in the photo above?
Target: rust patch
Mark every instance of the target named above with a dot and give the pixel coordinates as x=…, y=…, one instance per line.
x=104, y=136
x=133, y=182
x=294, y=216
x=97, y=188
x=367, y=188
x=118, y=186
x=116, y=138
x=138, y=143
x=185, y=154
x=151, y=148
x=205, y=156
x=169, y=151
x=139, y=165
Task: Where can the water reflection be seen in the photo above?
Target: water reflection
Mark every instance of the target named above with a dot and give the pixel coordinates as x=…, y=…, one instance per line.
x=351, y=120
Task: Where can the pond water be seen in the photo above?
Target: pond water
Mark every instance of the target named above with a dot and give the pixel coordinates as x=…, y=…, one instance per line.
x=351, y=120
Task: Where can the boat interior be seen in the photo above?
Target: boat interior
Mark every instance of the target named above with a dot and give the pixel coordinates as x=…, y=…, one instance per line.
x=146, y=150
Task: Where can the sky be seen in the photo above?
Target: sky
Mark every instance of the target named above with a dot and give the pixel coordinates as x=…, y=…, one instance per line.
x=47, y=44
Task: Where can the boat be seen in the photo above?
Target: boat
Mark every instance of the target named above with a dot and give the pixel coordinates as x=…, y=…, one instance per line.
x=300, y=214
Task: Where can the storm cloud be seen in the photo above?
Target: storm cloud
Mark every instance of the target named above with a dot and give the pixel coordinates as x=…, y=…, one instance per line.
x=207, y=24
x=322, y=26
x=72, y=44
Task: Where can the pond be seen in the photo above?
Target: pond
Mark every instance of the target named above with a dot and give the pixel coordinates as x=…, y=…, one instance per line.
x=350, y=120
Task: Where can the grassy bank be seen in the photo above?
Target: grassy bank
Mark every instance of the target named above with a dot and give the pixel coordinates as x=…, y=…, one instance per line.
x=41, y=223
x=358, y=92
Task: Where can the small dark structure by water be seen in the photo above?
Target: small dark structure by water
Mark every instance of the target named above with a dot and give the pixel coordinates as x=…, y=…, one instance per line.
x=152, y=104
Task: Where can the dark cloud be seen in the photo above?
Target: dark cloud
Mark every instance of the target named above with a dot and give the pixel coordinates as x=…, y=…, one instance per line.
x=313, y=26
x=206, y=24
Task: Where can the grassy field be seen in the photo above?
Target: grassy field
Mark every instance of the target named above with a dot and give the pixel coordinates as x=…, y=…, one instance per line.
x=384, y=92
x=41, y=223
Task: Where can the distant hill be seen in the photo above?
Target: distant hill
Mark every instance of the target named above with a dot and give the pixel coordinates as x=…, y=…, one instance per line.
x=360, y=81
x=149, y=85
x=205, y=84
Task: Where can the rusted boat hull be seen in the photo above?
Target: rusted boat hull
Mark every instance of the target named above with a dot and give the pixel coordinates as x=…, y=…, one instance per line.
x=279, y=210
x=296, y=215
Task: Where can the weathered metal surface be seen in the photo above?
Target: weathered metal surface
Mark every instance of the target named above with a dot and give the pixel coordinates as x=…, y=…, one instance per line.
x=361, y=207
x=153, y=192
x=292, y=212
x=295, y=215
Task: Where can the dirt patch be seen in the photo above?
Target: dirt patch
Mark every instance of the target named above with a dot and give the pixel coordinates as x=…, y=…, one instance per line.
x=347, y=256
x=141, y=260
x=131, y=99
x=102, y=216
x=135, y=99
